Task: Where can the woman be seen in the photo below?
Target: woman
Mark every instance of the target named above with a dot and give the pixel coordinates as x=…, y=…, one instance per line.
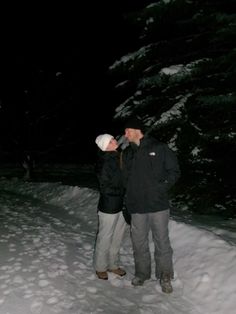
x=111, y=222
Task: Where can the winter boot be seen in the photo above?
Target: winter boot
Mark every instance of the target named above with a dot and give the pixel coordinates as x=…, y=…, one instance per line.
x=118, y=271
x=136, y=281
x=165, y=283
x=102, y=275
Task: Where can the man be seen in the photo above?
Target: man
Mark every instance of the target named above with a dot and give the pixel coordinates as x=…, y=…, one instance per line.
x=150, y=169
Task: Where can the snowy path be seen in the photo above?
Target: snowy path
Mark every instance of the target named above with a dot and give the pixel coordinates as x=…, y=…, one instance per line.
x=46, y=252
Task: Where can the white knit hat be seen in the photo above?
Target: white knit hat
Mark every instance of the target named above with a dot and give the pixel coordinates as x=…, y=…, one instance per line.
x=103, y=140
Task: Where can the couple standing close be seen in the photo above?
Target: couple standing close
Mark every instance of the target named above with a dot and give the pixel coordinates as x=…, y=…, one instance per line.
x=149, y=170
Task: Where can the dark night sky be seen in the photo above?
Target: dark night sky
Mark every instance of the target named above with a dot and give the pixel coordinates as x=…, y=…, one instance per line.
x=80, y=42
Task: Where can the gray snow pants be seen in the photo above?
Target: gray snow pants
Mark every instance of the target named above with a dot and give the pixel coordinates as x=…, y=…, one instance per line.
x=141, y=224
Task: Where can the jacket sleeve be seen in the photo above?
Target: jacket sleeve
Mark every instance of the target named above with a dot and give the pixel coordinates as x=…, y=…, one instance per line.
x=171, y=166
x=126, y=164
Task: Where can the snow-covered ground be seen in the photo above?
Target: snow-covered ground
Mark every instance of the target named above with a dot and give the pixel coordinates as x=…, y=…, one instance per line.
x=46, y=259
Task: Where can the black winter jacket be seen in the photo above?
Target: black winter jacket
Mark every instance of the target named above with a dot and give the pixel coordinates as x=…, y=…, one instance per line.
x=149, y=170
x=110, y=182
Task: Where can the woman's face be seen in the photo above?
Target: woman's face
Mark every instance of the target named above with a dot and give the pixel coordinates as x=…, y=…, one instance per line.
x=113, y=145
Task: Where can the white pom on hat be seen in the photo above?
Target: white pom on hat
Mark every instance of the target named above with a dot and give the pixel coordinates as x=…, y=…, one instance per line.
x=103, y=140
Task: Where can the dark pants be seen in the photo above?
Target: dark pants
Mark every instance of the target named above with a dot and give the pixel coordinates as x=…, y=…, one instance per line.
x=141, y=224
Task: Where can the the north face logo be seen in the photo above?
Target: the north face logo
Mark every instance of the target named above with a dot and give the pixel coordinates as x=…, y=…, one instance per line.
x=152, y=154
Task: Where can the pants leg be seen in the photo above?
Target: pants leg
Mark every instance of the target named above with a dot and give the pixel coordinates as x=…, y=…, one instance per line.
x=117, y=237
x=107, y=225
x=163, y=251
x=139, y=234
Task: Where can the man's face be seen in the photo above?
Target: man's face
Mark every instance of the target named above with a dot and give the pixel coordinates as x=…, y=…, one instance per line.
x=131, y=134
